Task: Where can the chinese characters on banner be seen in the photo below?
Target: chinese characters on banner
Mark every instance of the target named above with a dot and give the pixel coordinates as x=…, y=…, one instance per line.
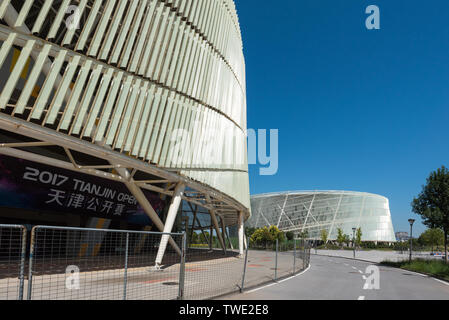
x=29, y=185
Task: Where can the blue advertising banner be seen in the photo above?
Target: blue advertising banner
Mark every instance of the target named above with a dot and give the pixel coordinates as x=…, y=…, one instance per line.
x=33, y=186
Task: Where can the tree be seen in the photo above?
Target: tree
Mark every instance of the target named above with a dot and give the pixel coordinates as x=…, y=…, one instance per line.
x=347, y=240
x=304, y=235
x=340, y=237
x=290, y=235
x=249, y=231
x=324, y=236
x=262, y=236
x=358, y=237
x=195, y=238
x=276, y=234
x=203, y=237
x=432, y=237
x=432, y=204
x=267, y=235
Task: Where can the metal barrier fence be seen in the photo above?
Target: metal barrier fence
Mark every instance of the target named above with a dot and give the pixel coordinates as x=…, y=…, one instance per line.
x=275, y=261
x=12, y=261
x=92, y=264
x=211, y=273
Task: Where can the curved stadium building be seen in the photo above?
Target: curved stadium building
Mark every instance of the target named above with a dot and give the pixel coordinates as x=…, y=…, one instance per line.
x=314, y=211
x=122, y=114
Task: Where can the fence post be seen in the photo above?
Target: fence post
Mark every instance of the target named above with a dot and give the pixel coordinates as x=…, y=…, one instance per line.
x=182, y=268
x=276, y=265
x=30, y=266
x=294, y=256
x=304, y=256
x=244, y=266
x=126, y=266
x=22, y=262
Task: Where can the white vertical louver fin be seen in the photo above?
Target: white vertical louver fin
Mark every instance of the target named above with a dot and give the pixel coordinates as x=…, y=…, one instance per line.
x=129, y=109
x=155, y=94
x=3, y=7
x=6, y=47
x=124, y=28
x=48, y=87
x=157, y=124
x=58, y=19
x=71, y=31
x=64, y=87
x=74, y=98
x=112, y=30
x=85, y=104
x=32, y=79
x=168, y=114
x=136, y=118
x=133, y=37
x=16, y=73
x=41, y=17
x=172, y=125
x=98, y=103
x=143, y=38
x=23, y=13
x=107, y=109
x=88, y=25
x=143, y=126
x=115, y=121
x=101, y=28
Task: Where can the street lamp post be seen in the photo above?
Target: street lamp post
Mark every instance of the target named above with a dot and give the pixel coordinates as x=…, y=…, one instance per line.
x=411, y=221
x=353, y=240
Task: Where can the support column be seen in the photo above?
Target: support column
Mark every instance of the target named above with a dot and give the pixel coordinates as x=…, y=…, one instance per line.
x=171, y=217
x=193, y=224
x=217, y=229
x=211, y=236
x=241, y=233
x=146, y=205
x=229, y=239
x=223, y=233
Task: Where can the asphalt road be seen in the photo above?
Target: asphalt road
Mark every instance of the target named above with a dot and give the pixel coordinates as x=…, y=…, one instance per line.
x=343, y=279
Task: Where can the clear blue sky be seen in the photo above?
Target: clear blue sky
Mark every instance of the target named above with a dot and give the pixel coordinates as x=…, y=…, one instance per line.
x=356, y=109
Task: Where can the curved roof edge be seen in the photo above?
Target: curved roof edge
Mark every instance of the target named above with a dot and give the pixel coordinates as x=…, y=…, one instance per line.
x=311, y=192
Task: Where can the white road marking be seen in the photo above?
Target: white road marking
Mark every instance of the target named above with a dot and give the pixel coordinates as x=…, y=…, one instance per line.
x=346, y=264
x=441, y=281
x=418, y=274
x=272, y=284
x=354, y=268
x=361, y=298
x=361, y=271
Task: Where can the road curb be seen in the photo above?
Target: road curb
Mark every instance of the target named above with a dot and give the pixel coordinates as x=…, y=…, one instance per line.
x=428, y=275
x=380, y=263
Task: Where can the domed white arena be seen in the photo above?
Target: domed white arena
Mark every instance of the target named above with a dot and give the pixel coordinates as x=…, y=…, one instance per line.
x=314, y=211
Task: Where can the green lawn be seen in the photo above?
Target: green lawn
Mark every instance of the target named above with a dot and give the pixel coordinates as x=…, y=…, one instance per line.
x=431, y=267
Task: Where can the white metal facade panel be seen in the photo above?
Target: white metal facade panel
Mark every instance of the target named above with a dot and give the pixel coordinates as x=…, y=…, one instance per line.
x=134, y=76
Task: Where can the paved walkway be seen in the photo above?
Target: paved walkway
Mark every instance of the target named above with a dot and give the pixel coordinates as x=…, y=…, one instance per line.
x=208, y=274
